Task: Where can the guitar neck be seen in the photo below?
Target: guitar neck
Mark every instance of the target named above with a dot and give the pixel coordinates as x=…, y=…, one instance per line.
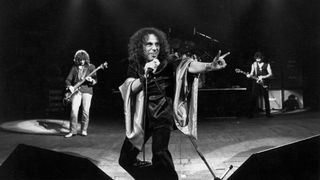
x=253, y=77
x=83, y=80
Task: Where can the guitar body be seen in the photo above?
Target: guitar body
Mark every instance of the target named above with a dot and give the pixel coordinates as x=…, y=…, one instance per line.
x=68, y=95
x=262, y=83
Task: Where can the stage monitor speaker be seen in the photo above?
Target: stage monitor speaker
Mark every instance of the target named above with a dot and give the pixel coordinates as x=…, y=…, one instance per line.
x=28, y=162
x=295, y=161
x=275, y=98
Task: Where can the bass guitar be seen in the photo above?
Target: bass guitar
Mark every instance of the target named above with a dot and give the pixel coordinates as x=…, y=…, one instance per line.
x=68, y=95
x=252, y=77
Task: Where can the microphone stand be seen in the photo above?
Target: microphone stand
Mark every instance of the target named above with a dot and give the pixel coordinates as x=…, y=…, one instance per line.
x=225, y=173
x=146, y=75
x=203, y=158
x=144, y=163
x=205, y=161
x=145, y=88
x=144, y=115
x=204, y=35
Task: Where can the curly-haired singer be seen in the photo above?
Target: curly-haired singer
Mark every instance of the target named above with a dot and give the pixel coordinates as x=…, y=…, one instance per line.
x=159, y=93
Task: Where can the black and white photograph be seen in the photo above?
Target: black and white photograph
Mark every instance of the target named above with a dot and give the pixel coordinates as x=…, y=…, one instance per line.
x=159, y=90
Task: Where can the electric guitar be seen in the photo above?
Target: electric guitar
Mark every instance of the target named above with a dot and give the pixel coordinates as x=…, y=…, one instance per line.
x=252, y=77
x=68, y=95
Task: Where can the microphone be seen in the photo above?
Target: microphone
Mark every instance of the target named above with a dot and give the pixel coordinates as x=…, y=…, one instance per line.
x=156, y=64
x=148, y=71
x=194, y=31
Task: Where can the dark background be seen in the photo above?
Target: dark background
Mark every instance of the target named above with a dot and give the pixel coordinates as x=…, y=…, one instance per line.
x=38, y=39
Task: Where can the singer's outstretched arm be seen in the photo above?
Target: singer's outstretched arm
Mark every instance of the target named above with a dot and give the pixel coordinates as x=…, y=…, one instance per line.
x=217, y=63
x=195, y=67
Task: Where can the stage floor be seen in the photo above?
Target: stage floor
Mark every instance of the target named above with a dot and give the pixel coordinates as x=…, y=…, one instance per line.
x=223, y=141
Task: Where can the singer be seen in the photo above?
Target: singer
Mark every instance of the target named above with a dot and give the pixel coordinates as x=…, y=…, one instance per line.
x=151, y=69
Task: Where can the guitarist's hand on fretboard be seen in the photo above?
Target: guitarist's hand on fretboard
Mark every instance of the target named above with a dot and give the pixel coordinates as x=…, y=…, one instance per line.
x=89, y=79
x=70, y=88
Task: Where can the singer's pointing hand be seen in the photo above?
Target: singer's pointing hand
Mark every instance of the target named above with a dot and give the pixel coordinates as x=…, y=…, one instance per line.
x=218, y=61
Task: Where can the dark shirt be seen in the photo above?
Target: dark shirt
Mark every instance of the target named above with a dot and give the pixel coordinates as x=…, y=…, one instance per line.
x=160, y=92
x=262, y=72
x=73, y=78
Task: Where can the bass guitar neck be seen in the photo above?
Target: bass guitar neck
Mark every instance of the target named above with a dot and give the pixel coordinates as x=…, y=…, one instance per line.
x=252, y=77
x=68, y=96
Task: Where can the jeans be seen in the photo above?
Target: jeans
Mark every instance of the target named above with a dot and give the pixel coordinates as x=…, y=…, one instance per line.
x=162, y=164
x=78, y=99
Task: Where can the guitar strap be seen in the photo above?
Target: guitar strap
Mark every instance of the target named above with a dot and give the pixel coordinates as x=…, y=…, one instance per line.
x=255, y=65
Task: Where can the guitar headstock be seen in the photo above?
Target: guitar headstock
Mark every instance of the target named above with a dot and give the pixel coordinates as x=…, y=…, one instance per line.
x=237, y=70
x=104, y=65
x=240, y=71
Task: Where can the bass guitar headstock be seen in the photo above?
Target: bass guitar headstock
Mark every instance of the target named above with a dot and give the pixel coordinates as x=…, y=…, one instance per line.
x=104, y=65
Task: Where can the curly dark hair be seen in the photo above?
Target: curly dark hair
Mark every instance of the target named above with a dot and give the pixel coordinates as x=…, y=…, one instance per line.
x=80, y=55
x=135, y=46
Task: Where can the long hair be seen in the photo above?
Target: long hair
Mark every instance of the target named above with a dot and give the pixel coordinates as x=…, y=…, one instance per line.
x=135, y=46
x=81, y=55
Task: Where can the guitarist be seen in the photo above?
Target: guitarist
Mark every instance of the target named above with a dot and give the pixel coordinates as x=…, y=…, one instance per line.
x=263, y=72
x=83, y=95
